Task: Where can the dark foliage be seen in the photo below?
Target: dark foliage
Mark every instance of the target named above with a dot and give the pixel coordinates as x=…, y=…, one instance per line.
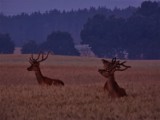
x=137, y=35
x=60, y=43
x=6, y=44
x=103, y=35
x=37, y=26
x=30, y=47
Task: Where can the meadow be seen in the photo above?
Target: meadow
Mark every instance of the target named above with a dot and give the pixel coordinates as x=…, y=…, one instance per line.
x=82, y=97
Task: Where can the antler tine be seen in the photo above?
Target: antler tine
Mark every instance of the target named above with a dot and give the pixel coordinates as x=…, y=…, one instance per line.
x=31, y=58
x=118, y=66
x=114, y=60
x=122, y=64
x=30, y=61
x=122, y=69
x=38, y=56
x=44, y=58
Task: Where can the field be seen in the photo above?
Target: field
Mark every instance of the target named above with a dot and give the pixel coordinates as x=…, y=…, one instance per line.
x=82, y=98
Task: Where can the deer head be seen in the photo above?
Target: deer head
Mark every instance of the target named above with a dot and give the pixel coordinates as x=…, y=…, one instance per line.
x=36, y=62
x=111, y=66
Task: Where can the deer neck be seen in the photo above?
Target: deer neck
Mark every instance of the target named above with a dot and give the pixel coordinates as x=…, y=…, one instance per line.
x=39, y=75
x=111, y=77
x=112, y=83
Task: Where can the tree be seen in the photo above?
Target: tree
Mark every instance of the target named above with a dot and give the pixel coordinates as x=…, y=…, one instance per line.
x=60, y=43
x=142, y=32
x=148, y=8
x=30, y=47
x=104, y=35
x=6, y=44
x=137, y=35
x=20, y=27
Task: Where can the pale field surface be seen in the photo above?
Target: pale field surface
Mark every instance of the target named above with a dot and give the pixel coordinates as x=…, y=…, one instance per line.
x=82, y=98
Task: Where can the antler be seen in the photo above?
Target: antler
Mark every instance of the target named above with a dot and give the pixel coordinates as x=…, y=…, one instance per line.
x=118, y=66
x=114, y=60
x=114, y=65
x=43, y=58
x=108, y=65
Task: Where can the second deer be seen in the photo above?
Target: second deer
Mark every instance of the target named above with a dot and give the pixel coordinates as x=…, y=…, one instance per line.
x=35, y=66
x=111, y=85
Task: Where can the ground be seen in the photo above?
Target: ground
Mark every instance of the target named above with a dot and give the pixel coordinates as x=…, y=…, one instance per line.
x=83, y=97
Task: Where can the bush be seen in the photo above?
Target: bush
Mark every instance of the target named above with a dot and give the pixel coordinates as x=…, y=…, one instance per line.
x=6, y=45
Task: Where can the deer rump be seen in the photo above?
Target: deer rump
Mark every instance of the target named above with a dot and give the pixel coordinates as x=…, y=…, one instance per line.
x=55, y=82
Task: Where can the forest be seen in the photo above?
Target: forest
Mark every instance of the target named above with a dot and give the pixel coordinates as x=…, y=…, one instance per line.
x=132, y=33
x=37, y=26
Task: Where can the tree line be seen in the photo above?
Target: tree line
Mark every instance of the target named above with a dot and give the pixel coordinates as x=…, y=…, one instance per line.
x=37, y=26
x=135, y=35
x=60, y=43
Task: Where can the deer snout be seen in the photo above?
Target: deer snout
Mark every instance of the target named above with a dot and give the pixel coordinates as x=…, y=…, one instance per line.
x=29, y=69
x=101, y=71
x=104, y=73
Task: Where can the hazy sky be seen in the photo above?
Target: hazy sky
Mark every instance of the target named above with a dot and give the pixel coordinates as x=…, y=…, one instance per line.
x=11, y=7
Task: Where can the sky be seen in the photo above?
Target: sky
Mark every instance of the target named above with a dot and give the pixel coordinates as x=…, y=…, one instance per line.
x=14, y=7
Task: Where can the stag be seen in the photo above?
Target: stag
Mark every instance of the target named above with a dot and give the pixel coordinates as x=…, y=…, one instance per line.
x=110, y=67
x=35, y=66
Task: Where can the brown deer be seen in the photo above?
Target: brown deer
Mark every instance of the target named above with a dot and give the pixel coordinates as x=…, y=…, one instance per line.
x=114, y=90
x=35, y=66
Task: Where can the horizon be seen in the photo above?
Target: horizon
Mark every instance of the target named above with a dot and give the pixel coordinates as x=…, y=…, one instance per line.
x=15, y=7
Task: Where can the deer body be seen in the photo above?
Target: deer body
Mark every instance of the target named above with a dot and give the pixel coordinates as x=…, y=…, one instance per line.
x=42, y=80
x=114, y=90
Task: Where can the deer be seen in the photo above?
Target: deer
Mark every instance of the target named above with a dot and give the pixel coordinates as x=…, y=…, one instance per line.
x=35, y=66
x=110, y=67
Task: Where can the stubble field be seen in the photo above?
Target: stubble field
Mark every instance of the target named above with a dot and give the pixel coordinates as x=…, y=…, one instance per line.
x=82, y=98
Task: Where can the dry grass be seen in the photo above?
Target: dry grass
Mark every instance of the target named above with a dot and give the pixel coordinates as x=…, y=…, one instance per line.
x=82, y=98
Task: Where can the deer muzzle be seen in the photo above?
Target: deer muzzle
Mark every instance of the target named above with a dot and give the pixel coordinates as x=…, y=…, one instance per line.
x=29, y=69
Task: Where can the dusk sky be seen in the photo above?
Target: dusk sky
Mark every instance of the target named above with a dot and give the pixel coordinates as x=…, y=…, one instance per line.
x=12, y=7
